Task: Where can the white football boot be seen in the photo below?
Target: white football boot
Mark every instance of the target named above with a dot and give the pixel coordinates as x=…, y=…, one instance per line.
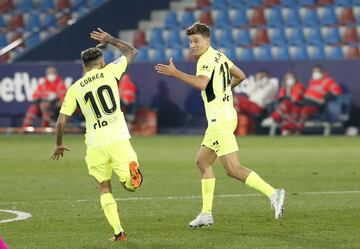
x=277, y=200
x=203, y=219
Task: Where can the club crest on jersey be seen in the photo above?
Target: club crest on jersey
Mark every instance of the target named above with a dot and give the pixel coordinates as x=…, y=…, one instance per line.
x=101, y=124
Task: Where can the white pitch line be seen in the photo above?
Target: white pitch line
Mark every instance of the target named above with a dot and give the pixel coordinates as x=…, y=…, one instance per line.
x=191, y=197
x=19, y=215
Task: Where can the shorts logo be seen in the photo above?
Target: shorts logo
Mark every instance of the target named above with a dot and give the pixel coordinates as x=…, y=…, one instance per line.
x=216, y=146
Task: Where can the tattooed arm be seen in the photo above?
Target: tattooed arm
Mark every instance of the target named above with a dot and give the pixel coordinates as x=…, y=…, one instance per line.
x=104, y=38
x=59, y=131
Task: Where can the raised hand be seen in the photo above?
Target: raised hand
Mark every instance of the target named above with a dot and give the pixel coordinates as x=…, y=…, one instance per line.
x=100, y=36
x=168, y=70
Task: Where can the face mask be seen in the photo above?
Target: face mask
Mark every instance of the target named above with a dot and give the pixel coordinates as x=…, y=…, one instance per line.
x=51, y=77
x=290, y=82
x=316, y=75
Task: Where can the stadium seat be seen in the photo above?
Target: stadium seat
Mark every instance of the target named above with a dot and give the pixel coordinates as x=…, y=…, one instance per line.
x=313, y=36
x=32, y=40
x=316, y=52
x=242, y=37
x=6, y=6
x=176, y=54
x=324, y=2
x=257, y=17
x=219, y=4
x=142, y=55
x=331, y=35
x=298, y=53
x=309, y=17
x=289, y=3
x=155, y=38
x=32, y=21
x=170, y=21
x=49, y=21
x=263, y=53
x=239, y=18
x=356, y=2
x=351, y=52
x=307, y=2
x=346, y=3
x=16, y=21
x=273, y=17
x=108, y=55
x=139, y=39
x=260, y=37
x=24, y=5
x=277, y=36
x=236, y=4
x=349, y=35
x=245, y=54
x=202, y=4
x=223, y=37
x=270, y=3
x=76, y=4
x=64, y=20
x=62, y=4
x=334, y=53
x=254, y=3
x=3, y=40
x=46, y=5
x=346, y=16
x=229, y=51
x=158, y=55
x=327, y=15
x=205, y=17
x=173, y=39
x=294, y=36
x=186, y=19
x=280, y=53
x=221, y=19
x=2, y=22
x=356, y=11
x=291, y=17
x=95, y=3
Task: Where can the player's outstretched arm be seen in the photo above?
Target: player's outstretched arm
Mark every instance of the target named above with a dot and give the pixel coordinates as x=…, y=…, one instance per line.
x=237, y=76
x=59, y=131
x=198, y=82
x=104, y=38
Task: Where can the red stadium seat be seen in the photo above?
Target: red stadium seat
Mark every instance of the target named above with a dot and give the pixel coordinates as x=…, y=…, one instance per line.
x=139, y=39
x=324, y=2
x=206, y=18
x=62, y=4
x=64, y=20
x=269, y=3
x=352, y=52
x=6, y=6
x=260, y=37
x=202, y=4
x=258, y=17
x=346, y=16
x=16, y=21
x=350, y=35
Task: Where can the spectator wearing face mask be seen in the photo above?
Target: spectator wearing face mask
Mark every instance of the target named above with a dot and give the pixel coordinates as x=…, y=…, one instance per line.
x=254, y=95
x=321, y=88
x=46, y=99
x=287, y=111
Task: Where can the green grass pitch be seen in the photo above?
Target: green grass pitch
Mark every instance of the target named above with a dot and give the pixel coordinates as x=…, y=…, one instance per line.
x=318, y=174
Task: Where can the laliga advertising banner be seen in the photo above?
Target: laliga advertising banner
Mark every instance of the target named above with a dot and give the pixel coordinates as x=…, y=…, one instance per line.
x=18, y=81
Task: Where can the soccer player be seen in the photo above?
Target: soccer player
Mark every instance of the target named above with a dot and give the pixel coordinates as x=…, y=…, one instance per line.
x=107, y=136
x=215, y=76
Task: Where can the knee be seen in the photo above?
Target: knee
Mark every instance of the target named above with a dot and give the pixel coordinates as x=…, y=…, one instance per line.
x=201, y=164
x=233, y=170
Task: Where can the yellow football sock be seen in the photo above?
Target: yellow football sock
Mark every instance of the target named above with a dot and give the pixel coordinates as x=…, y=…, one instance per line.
x=207, y=189
x=109, y=206
x=255, y=181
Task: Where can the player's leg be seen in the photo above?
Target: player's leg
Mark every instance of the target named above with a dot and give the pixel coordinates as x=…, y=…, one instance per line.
x=234, y=169
x=97, y=161
x=31, y=114
x=125, y=165
x=204, y=160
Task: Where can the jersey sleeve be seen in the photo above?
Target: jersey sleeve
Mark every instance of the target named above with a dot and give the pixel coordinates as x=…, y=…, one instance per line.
x=69, y=105
x=117, y=67
x=205, y=66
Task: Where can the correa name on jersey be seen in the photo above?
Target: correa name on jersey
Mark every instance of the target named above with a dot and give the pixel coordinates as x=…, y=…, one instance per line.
x=91, y=79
